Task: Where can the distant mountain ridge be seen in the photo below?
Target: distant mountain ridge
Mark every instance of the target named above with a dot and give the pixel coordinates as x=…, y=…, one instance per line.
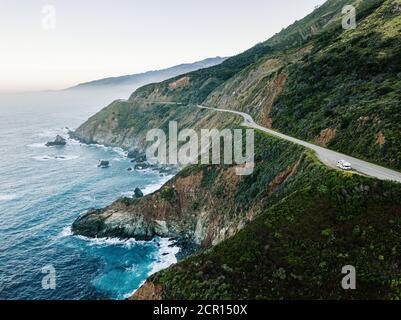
x=140, y=79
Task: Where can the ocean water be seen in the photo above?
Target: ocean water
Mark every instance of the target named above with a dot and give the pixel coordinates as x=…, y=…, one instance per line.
x=43, y=190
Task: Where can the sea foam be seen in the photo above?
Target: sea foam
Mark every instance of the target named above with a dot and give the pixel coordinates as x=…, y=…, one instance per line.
x=7, y=197
x=57, y=158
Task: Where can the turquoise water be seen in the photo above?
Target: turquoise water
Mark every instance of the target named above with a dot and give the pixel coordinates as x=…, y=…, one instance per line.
x=42, y=191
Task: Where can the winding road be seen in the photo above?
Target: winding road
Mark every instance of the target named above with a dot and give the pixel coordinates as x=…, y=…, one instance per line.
x=327, y=156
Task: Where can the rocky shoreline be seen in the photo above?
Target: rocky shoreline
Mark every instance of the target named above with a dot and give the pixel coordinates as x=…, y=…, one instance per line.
x=184, y=208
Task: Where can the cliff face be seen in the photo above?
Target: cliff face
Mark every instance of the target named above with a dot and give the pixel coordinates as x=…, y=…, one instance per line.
x=203, y=204
x=125, y=123
x=149, y=291
x=311, y=221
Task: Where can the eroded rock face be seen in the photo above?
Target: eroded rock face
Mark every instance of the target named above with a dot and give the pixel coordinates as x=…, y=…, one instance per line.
x=183, y=208
x=380, y=139
x=113, y=223
x=148, y=291
x=326, y=136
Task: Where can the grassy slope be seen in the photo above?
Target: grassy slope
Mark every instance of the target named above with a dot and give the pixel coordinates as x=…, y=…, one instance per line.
x=350, y=82
x=312, y=225
x=345, y=81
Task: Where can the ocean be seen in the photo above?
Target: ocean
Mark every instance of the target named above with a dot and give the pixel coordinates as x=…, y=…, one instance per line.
x=44, y=189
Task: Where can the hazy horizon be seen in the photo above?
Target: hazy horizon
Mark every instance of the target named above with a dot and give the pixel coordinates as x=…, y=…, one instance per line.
x=87, y=41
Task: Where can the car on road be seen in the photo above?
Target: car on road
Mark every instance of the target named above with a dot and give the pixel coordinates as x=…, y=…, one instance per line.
x=344, y=165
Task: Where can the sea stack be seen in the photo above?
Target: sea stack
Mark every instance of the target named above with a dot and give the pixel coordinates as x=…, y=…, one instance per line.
x=59, y=141
x=104, y=164
x=138, y=193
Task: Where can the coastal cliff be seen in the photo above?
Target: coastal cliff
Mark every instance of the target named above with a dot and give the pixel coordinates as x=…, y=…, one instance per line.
x=201, y=204
x=310, y=222
x=286, y=231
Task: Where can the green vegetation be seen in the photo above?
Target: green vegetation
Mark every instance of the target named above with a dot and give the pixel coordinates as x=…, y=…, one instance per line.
x=350, y=82
x=307, y=221
x=317, y=221
x=204, y=81
x=168, y=194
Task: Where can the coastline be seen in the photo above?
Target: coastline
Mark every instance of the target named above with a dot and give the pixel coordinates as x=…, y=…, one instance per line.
x=171, y=250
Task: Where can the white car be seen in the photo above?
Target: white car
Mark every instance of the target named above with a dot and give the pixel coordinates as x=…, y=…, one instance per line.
x=344, y=165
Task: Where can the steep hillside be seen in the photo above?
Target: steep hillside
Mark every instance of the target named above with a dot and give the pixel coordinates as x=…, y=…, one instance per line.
x=340, y=86
x=303, y=225
x=284, y=232
x=202, y=204
x=349, y=86
x=124, y=123
x=313, y=80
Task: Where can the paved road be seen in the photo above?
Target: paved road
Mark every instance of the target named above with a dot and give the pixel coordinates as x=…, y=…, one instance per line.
x=328, y=157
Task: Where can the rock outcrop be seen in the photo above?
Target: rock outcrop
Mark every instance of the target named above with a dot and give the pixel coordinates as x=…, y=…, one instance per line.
x=59, y=141
x=202, y=204
x=138, y=193
x=148, y=291
x=104, y=164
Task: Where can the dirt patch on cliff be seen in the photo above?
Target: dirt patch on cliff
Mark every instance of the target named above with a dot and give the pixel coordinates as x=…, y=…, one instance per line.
x=380, y=139
x=325, y=136
x=187, y=188
x=269, y=95
x=271, y=64
x=282, y=177
x=148, y=291
x=182, y=82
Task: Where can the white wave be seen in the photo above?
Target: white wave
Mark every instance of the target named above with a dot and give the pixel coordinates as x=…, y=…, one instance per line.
x=95, y=145
x=58, y=158
x=127, y=194
x=43, y=158
x=117, y=150
x=7, y=197
x=66, y=158
x=148, y=189
x=66, y=232
x=112, y=241
x=74, y=142
x=166, y=256
x=37, y=145
x=120, y=152
x=154, y=187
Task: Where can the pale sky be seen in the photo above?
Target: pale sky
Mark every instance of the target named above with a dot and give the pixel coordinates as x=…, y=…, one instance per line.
x=94, y=39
